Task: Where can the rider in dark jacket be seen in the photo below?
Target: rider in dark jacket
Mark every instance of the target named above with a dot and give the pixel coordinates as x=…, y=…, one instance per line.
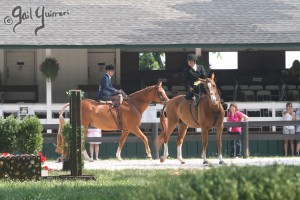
x=191, y=74
x=106, y=90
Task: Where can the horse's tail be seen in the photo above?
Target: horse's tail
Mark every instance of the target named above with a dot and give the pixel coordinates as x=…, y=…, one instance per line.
x=60, y=140
x=164, y=126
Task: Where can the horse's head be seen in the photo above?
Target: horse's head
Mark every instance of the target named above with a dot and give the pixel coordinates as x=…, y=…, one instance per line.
x=211, y=89
x=160, y=94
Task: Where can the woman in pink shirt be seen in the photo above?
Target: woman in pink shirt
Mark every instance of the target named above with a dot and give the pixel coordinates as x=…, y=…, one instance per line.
x=234, y=115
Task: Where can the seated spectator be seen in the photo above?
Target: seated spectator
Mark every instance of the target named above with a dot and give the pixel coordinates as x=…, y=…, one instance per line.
x=295, y=69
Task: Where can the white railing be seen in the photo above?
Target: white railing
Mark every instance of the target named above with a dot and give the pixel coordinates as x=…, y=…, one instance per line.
x=149, y=116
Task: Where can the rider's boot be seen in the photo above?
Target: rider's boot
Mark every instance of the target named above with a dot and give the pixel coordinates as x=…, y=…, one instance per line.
x=224, y=105
x=196, y=101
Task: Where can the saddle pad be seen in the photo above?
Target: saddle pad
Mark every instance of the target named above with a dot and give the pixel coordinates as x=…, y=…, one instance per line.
x=109, y=102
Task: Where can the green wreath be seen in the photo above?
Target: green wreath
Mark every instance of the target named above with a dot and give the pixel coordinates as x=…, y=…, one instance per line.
x=50, y=68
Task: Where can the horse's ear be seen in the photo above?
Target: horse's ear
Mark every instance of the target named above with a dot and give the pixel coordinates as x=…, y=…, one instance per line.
x=159, y=84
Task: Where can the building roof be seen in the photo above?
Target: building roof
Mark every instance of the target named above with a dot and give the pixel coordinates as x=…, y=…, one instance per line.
x=150, y=23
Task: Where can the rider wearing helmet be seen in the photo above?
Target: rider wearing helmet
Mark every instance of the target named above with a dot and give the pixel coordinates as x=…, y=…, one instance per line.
x=106, y=89
x=191, y=74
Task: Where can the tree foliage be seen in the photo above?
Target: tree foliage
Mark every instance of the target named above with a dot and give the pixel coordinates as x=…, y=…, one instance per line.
x=152, y=61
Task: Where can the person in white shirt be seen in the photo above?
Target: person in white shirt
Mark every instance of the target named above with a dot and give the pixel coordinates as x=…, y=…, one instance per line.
x=288, y=115
x=298, y=132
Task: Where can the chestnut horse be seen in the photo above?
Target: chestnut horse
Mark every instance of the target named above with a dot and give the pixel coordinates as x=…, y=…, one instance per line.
x=179, y=111
x=103, y=116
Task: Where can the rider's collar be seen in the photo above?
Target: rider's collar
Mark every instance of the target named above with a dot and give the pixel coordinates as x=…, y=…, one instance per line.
x=195, y=67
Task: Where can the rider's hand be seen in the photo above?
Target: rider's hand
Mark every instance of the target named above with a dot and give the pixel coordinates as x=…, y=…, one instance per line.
x=118, y=92
x=191, y=89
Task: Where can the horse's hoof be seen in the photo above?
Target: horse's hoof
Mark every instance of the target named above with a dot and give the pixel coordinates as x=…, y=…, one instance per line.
x=205, y=162
x=182, y=162
x=221, y=162
x=149, y=157
x=91, y=160
x=162, y=159
x=120, y=159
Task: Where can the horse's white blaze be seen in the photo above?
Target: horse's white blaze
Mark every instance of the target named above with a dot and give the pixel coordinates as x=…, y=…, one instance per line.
x=212, y=96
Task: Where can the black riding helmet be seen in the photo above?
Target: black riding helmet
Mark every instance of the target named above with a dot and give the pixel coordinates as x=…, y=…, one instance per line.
x=192, y=57
x=110, y=67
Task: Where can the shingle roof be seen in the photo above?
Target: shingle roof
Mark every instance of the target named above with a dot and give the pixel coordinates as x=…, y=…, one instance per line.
x=151, y=22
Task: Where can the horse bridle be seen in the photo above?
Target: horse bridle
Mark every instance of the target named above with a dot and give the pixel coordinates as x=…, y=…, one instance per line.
x=209, y=93
x=158, y=94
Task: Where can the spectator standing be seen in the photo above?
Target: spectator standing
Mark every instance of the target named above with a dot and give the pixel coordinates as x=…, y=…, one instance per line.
x=298, y=132
x=94, y=146
x=234, y=115
x=288, y=115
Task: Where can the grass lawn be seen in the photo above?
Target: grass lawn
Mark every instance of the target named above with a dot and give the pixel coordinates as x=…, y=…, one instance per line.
x=228, y=182
x=108, y=185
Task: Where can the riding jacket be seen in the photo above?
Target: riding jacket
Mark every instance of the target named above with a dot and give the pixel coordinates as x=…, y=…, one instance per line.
x=190, y=76
x=106, y=90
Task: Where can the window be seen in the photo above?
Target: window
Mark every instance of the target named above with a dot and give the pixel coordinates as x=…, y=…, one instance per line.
x=223, y=60
x=290, y=56
x=152, y=61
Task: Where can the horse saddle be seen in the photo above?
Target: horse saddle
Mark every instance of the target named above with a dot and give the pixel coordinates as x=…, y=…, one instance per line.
x=115, y=101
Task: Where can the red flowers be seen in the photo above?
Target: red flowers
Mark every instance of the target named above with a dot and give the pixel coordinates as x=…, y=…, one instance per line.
x=5, y=154
x=43, y=158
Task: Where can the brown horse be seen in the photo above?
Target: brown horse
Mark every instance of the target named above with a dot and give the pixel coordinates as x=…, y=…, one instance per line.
x=209, y=113
x=103, y=116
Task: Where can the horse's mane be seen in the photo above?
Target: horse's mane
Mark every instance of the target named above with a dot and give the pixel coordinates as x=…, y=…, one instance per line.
x=142, y=90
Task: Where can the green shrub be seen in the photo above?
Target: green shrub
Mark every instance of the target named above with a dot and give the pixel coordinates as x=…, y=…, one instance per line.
x=30, y=137
x=8, y=131
x=50, y=68
x=232, y=182
x=66, y=133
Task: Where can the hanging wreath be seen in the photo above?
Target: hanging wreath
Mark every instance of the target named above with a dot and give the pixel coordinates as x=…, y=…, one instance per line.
x=50, y=68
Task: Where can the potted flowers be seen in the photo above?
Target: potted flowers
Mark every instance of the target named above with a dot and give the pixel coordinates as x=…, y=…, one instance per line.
x=44, y=168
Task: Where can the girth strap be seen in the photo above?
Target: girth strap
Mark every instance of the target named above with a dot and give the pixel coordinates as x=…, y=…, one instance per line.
x=195, y=118
x=118, y=118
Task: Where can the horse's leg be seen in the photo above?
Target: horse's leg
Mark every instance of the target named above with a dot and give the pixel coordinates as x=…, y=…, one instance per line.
x=123, y=138
x=84, y=152
x=137, y=131
x=182, y=128
x=219, y=138
x=171, y=126
x=204, y=136
x=166, y=153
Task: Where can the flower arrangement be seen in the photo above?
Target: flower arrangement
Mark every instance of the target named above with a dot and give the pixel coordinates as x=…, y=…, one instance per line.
x=45, y=168
x=6, y=155
x=22, y=166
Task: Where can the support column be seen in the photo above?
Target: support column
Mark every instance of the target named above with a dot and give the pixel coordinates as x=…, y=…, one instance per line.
x=245, y=139
x=48, y=95
x=154, y=127
x=118, y=66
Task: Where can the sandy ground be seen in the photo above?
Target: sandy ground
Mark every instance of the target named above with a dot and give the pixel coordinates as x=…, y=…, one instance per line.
x=112, y=164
